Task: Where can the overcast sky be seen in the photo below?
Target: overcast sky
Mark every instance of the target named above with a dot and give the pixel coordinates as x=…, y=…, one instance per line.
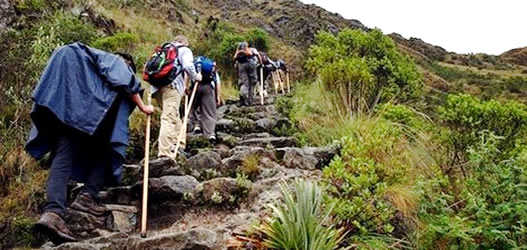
x=462, y=26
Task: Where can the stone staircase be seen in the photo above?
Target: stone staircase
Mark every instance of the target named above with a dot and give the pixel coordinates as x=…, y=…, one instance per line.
x=203, y=201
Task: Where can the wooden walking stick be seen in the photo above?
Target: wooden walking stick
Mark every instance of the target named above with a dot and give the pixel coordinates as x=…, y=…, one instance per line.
x=144, y=208
x=287, y=78
x=261, y=86
x=185, y=120
x=275, y=83
x=280, y=81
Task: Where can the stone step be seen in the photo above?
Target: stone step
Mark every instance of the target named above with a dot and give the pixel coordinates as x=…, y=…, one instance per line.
x=306, y=158
x=275, y=142
x=197, y=238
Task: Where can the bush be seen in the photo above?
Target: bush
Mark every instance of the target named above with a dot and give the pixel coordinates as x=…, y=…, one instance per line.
x=404, y=115
x=301, y=222
x=59, y=29
x=488, y=211
x=363, y=68
x=120, y=42
x=468, y=116
x=258, y=39
x=221, y=41
x=370, y=181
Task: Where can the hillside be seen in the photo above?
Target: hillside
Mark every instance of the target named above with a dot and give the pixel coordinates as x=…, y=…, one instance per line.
x=516, y=56
x=413, y=146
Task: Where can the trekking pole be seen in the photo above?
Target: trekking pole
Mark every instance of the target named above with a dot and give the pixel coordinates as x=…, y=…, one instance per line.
x=287, y=78
x=280, y=81
x=145, y=173
x=185, y=120
x=275, y=83
x=261, y=85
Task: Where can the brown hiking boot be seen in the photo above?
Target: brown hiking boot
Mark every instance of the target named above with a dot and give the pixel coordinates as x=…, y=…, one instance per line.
x=52, y=225
x=85, y=203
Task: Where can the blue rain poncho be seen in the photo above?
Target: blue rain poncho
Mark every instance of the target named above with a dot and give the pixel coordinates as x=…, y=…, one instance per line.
x=77, y=89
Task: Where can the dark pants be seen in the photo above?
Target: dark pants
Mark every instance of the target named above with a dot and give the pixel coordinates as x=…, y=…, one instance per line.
x=79, y=152
x=204, y=109
x=247, y=80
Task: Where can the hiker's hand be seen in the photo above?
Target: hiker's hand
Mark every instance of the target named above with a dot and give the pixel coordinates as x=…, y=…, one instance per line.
x=148, y=109
x=199, y=77
x=218, y=102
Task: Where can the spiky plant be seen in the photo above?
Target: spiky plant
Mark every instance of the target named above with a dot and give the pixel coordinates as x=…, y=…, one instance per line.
x=302, y=221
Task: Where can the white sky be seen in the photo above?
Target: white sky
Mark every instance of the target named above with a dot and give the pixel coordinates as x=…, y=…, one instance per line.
x=462, y=26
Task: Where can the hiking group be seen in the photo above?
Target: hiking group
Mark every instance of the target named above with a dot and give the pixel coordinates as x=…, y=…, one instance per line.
x=82, y=105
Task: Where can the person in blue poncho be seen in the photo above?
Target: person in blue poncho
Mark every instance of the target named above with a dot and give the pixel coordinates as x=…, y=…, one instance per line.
x=80, y=115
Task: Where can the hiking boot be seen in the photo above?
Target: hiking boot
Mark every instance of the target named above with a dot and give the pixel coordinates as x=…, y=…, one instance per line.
x=85, y=203
x=52, y=225
x=197, y=130
x=212, y=139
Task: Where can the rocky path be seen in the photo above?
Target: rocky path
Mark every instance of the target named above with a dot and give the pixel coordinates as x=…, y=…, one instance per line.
x=218, y=192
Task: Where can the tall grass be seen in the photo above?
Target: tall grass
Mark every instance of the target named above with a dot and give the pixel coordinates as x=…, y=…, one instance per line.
x=302, y=221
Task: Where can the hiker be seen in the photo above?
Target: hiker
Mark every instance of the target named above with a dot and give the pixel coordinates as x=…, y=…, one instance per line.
x=208, y=97
x=247, y=60
x=80, y=114
x=170, y=96
x=270, y=66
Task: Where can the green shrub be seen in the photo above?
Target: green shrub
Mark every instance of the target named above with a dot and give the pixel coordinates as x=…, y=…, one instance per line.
x=258, y=39
x=57, y=30
x=122, y=41
x=489, y=211
x=404, y=115
x=301, y=222
x=221, y=41
x=468, y=116
x=358, y=179
x=364, y=68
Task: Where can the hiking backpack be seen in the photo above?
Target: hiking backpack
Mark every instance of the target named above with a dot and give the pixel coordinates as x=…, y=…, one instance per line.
x=160, y=70
x=206, y=67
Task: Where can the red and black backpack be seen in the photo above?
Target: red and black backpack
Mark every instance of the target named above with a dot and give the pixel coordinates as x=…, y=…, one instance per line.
x=160, y=70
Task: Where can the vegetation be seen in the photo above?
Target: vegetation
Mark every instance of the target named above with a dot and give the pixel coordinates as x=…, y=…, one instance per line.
x=487, y=84
x=411, y=174
x=364, y=68
x=302, y=221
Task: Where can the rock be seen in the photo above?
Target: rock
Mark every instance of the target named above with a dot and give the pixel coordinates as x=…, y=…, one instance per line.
x=205, y=166
x=195, y=142
x=266, y=124
x=125, y=195
x=7, y=14
x=223, y=150
x=257, y=135
x=257, y=115
x=222, y=191
x=297, y=158
x=306, y=158
x=224, y=125
x=277, y=142
x=124, y=218
x=131, y=174
x=227, y=139
x=169, y=187
x=240, y=153
x=84, y=224
x=198, y=238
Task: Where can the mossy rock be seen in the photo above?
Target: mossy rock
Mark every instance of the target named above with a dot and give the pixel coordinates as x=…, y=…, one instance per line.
x=222, y=191
x=20, y=232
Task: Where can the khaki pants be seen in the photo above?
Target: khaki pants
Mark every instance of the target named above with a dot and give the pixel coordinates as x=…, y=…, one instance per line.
x=171, y=123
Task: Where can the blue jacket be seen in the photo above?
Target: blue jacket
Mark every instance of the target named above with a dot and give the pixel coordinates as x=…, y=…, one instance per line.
x=78, y=86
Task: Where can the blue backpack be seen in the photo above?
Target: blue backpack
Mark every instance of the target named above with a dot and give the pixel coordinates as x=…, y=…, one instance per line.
x=206, y=67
